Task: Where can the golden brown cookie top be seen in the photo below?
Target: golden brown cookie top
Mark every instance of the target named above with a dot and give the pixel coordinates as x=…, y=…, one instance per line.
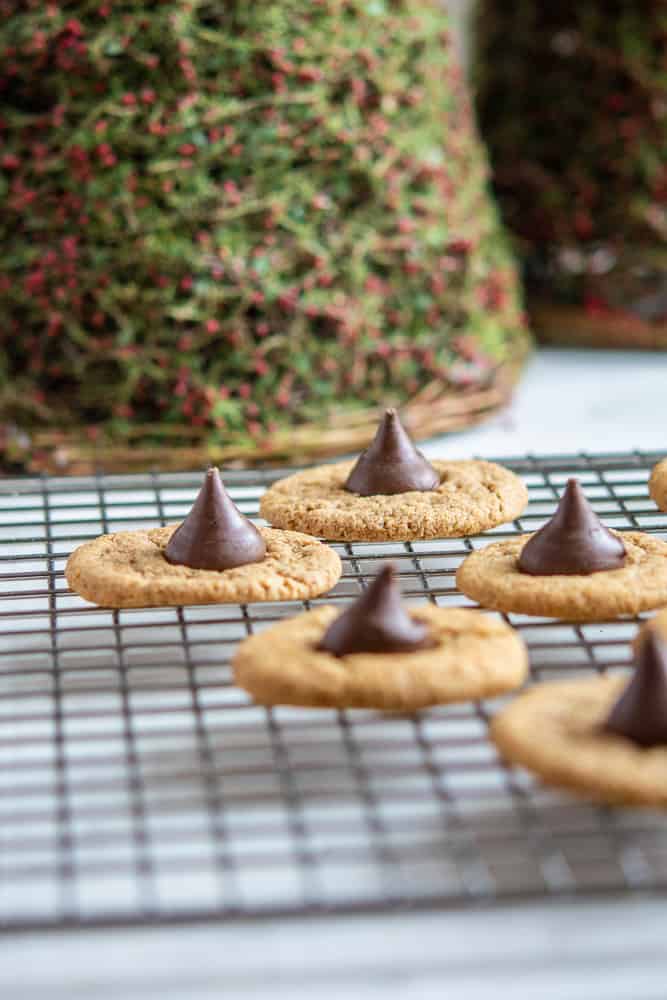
x=129, y=570
x=658, y=484
x=473, y=656
x=659, y=622
x=472, y=496
x=491, y=576
x=556, y=730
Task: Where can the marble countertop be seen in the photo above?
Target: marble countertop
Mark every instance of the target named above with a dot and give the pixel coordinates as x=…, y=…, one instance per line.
x=572, y=401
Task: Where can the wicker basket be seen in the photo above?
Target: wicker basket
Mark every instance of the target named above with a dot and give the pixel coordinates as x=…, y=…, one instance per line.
x=244, y=260
x=571, y=103
x=437, y=409
x=580, y=327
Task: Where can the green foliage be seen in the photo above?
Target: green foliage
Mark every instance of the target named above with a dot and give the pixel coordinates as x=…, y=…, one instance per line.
x=239, y=215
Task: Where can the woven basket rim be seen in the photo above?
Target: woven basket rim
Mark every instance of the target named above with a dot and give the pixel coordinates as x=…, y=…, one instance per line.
x=435, y=409
x=556, y=322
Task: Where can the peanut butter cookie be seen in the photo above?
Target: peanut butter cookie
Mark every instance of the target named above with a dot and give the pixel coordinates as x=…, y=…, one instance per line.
x=472, y=496
x=129, y=570
x=556, y=730
x=659, y=623
x=491, y=576
x=657, y=485
x=472, y=656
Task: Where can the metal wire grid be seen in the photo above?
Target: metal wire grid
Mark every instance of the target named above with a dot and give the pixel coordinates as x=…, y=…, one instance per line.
x=138, y=785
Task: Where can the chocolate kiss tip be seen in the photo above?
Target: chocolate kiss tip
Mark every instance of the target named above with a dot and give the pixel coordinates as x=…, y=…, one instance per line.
x=377, y=622
x=640, y=714
x=215, y=535
x=574, y=542
x=391, y=463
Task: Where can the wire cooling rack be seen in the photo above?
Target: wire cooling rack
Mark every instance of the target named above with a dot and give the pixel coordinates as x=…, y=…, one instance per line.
x=138, y=785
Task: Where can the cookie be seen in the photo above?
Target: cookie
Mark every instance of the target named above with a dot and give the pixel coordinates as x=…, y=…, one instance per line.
x=656, y=624
x=555, y=730
x=129, y=570
x=657, y=484
x=473, y=656
x=473, y=496
x=491, y=577
x=659, y=623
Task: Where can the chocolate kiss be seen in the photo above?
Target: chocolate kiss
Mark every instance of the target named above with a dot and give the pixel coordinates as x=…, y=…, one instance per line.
x=573, y=542
x=215, y=534
x=640, y=714
x=377, y=622
x=391, y=463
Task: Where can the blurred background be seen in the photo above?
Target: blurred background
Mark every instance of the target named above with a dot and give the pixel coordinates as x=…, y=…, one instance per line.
x=234, y=236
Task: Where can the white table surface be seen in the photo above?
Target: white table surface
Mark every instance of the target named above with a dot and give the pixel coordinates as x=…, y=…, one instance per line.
x=573, y=401
x=569, y=401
